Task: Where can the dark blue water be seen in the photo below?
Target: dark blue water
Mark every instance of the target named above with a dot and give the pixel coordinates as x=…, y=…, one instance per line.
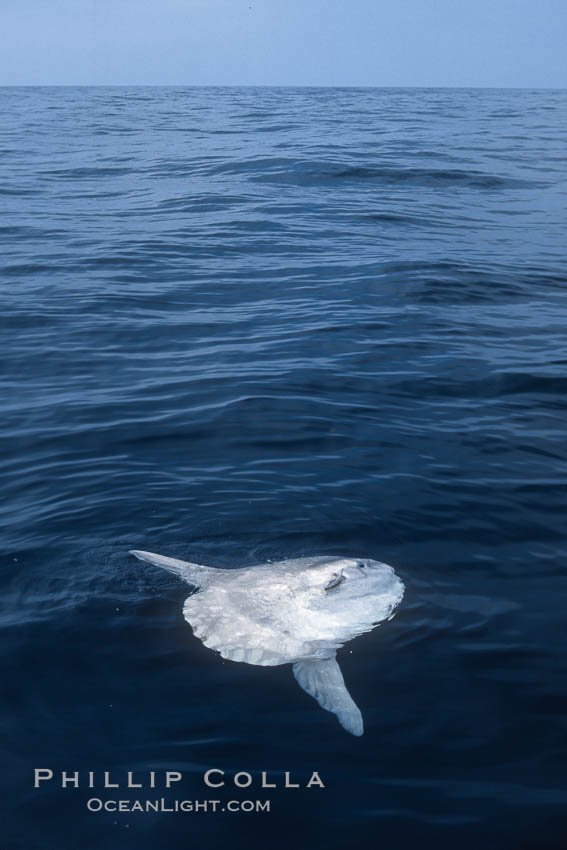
x=250, y=324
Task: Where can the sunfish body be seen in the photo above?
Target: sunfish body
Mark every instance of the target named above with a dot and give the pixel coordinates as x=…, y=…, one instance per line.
x=290, y=612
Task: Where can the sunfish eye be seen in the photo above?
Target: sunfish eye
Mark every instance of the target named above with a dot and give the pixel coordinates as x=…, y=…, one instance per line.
x=336, y=579
x=360, y=564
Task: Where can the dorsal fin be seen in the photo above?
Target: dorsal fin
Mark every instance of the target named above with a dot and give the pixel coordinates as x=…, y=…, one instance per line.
x=191, y=573
x=324, y=681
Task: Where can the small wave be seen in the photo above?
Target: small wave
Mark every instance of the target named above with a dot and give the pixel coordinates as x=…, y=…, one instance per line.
x=306, y=174
x=88, y=172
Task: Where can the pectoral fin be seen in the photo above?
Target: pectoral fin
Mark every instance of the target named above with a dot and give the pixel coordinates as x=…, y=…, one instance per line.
x=324, y=681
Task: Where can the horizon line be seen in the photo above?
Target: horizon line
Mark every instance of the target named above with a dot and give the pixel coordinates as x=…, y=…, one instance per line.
x=277, y=86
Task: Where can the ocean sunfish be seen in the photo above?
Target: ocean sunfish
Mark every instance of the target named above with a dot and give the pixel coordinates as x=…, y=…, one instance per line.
x=298, y=612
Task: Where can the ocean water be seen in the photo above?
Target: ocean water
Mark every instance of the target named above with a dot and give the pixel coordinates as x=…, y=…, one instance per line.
x=242, y=324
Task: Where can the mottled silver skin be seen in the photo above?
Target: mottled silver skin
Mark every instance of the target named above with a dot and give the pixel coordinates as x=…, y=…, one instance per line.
x=290, y=612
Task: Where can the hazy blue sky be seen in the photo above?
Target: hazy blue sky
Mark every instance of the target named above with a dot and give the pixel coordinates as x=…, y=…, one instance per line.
x=285, y=42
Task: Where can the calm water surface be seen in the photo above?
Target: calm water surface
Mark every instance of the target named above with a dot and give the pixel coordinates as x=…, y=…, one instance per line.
x=250, y=324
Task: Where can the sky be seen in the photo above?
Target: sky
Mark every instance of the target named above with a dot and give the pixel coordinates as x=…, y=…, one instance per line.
x=518, y=43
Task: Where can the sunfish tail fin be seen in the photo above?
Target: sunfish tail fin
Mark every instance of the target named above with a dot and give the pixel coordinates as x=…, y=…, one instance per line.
x=324, y=681
x=191, y=573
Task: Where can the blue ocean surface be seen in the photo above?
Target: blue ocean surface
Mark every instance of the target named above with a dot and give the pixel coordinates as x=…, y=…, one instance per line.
x=248, y=324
